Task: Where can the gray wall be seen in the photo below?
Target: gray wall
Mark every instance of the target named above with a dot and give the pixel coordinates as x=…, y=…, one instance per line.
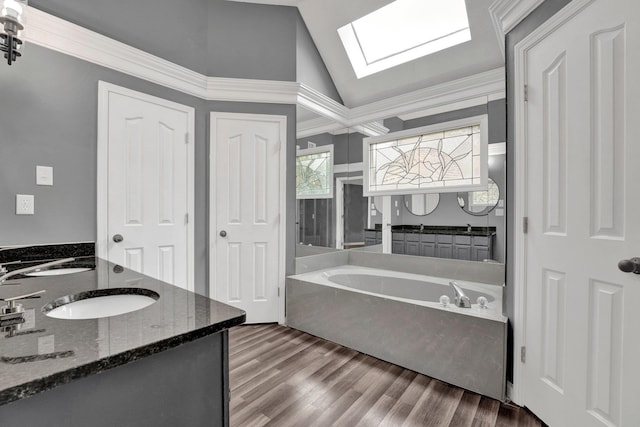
x=48, y=116
x=310, y=68
x=213, y=37
x=251, y=41
x=173, y=30
x=540, y=15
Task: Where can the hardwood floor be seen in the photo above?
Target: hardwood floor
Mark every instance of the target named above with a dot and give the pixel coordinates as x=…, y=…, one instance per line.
x=283, y=377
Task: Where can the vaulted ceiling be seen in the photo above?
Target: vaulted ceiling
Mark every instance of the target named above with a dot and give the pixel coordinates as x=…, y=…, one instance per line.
x=324, y=17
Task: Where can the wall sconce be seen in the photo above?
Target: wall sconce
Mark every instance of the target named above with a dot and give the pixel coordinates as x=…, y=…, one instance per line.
x=12, y=20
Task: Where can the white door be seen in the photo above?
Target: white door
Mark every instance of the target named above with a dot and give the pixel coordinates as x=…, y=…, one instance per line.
x=582, y=363
x=247, y=209
x=148, y=188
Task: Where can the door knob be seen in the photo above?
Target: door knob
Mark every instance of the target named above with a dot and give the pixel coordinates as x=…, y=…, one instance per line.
x=630, y=265
x=223, y=233
x=118, y=238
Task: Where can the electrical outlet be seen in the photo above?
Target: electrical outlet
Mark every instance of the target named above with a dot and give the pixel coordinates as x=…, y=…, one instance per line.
x=24, y=204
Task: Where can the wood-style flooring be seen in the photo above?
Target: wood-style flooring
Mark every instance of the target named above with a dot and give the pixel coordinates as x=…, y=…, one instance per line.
x=283, y=377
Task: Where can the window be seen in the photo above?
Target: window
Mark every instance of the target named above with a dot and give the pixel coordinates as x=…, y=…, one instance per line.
x=402, y=31
x=442, y=158
x=314, y=173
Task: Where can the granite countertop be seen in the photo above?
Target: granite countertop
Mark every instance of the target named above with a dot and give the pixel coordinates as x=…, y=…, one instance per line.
x=440, y=229
x=46, y=352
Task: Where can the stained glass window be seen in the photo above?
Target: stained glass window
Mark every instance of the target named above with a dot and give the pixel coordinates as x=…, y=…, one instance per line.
x=447, y=157
x=314, y=173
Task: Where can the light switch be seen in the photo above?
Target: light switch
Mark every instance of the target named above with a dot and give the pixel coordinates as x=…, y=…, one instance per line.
x=501, y=203
x=44, y=175
x=499, y=212
x=24, y=204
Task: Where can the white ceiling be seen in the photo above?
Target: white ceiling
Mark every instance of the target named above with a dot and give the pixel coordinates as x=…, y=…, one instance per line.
x=324, y=17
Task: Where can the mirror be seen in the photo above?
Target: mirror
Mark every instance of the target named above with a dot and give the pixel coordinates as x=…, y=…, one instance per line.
x=480, y=203
x=421, y=204
x=350, y=220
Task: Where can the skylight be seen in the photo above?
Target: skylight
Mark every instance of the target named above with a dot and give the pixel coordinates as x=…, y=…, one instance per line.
x=403, y=31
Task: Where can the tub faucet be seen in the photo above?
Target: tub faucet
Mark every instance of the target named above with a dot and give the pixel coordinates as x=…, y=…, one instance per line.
x=33, y=268
x=461, y=299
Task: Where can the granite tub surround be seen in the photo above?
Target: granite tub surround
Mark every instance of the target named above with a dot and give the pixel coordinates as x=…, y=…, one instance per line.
x=462, y=346
x=46, y=353
x=450, y=345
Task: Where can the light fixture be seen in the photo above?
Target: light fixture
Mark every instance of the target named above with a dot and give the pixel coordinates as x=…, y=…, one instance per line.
x=12, y=20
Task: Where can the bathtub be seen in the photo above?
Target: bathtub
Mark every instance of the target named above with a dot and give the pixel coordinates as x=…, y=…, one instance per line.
x=397, y=317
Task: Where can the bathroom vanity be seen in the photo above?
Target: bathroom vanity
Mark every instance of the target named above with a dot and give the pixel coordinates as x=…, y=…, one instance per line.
x=165, y=364
x=470, y=244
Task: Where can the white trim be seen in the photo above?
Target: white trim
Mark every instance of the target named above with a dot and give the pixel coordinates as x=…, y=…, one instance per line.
x=497, y=148
x=481, y=120
x=315, y=150
x=65, y=37
x=102, y=238
x=506, y=14
x=521, y=188
x=481, y=84
x=340, y=181
x=347, y=167
x=213, y=116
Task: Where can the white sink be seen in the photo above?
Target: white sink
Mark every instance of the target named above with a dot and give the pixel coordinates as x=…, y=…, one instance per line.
x=100, y=303
x=58, y=271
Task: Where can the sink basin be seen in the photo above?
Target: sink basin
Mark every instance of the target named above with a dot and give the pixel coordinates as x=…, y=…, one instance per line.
x=100, y=303
x=58, y=271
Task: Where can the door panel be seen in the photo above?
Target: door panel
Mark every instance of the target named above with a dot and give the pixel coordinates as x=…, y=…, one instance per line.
x=246, y=199
x=582, y=346
x=148, y=185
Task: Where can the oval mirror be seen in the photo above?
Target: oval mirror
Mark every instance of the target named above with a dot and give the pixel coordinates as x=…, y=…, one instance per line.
x=480, y=202
x=421, y=204
x=377, y=203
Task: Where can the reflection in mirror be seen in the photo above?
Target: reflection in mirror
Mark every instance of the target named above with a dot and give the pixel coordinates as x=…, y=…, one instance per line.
x=348, y=219
x=421, y=204
x=480, y=203
x=377, y=203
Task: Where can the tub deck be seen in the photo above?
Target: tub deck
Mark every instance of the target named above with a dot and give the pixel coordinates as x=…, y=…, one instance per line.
x=464, y=347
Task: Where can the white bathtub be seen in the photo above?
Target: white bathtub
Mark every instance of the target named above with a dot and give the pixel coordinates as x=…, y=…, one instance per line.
x=410, y=288
x=397, y=317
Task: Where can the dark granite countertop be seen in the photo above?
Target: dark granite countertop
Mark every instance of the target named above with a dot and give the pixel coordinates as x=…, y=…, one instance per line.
x=46, y=352
x=440, y=229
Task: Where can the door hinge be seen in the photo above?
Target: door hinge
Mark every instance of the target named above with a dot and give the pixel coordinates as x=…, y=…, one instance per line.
x=523, y=354
x=278, y=292
x=186, y=138
x=186, y=218
x=525, y=224
x=526, y=93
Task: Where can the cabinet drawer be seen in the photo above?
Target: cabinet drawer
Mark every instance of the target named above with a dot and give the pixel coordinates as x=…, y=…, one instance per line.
x=463, y=240
x=444, y=238
x=481, y=240
x=398, y=236
x=428, y=238
x=412, y=237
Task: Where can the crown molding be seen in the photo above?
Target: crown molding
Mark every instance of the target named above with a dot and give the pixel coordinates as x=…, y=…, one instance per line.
x=62, y=36
x=482, y=84
x=70, y=39
x=506, y=14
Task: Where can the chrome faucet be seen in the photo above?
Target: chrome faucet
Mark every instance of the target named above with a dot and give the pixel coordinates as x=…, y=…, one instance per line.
x=33, y=268
x=461, y=299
